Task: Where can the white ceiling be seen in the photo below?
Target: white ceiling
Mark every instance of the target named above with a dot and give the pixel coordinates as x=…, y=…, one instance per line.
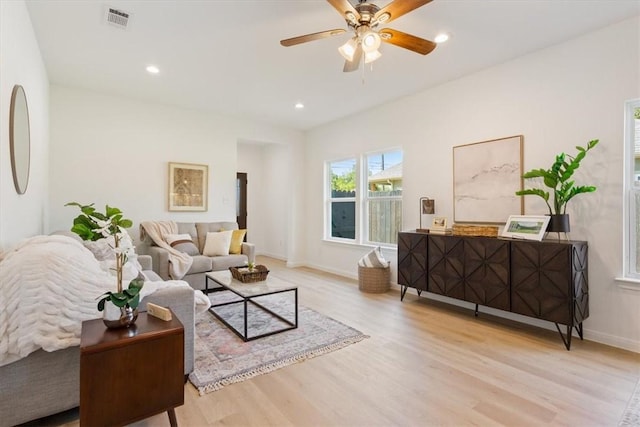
x=225, y=56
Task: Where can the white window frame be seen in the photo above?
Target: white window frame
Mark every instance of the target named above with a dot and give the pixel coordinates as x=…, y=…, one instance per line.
x=631, y=188
x=361, y=200
x=329, y=200
x=365, y=196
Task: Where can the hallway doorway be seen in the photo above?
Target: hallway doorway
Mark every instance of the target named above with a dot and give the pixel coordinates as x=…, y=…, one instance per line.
x=241, y=200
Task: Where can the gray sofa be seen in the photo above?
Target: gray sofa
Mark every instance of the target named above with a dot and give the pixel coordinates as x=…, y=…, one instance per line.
x=45, y=383
x=201, y=264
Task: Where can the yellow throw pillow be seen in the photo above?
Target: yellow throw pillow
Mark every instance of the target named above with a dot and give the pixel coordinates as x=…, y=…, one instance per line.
x=236, y=241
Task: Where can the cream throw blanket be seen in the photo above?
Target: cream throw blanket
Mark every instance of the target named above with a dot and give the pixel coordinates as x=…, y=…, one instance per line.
x=179, y=262
x=48, y=286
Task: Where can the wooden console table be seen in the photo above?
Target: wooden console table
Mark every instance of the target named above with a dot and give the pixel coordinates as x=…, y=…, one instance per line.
x=129, y=374
x=547, y=280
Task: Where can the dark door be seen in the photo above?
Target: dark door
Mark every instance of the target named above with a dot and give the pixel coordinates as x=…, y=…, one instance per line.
x=241, y=200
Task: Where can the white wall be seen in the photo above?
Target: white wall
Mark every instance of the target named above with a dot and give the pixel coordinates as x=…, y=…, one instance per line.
x=21, y=64
x=114, y=150
x=557, y=98
x=273, y=191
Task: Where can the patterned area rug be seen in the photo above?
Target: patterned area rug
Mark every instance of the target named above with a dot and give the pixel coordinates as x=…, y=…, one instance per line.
x=631, y=415
x=222, y=358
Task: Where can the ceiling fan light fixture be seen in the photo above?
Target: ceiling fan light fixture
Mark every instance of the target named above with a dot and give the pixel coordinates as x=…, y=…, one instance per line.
x=348, y=49
x=371, y=56
x=441, y=38
x=370, y=41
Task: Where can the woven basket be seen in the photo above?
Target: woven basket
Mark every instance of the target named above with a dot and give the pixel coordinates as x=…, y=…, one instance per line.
x=242, y=274
x=373, y=280
x=475, y=230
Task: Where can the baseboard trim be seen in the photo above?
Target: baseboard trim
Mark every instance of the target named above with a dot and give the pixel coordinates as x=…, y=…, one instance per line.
x=270, y=255
x=291, y=264
x=343, y=273
x=612, y=340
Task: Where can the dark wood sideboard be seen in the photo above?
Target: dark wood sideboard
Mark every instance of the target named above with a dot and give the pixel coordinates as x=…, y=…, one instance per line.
x=546, y=280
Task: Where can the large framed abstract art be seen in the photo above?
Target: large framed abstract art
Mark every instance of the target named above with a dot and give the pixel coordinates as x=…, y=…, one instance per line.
x=486, y=176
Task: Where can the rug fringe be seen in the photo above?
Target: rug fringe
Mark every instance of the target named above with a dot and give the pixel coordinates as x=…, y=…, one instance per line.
x=202, y=390
x=631, y=415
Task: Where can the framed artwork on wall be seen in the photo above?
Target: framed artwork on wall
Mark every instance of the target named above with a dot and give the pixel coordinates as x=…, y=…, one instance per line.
x=486, y=176
x=188, y=187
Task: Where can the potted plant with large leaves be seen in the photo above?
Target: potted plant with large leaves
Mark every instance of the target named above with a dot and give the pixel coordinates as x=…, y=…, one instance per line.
x=561, y=188
x=93, y=226
x=124, y=305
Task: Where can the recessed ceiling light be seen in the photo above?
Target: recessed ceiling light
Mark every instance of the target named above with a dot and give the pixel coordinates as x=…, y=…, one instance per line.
x=441, y=38
x=299, y=105
x=153, y=69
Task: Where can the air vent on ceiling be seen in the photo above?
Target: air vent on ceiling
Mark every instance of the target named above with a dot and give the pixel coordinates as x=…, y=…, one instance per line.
x=117, y=18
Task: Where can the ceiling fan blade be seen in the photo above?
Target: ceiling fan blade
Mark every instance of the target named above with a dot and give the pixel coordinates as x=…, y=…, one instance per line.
x=407, y=41
x=398, y=8
x=343, y=7
x=310, y=37
x=350, y=66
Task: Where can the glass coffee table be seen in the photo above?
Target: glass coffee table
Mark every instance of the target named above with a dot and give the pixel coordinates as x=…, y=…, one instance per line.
x=246, y=294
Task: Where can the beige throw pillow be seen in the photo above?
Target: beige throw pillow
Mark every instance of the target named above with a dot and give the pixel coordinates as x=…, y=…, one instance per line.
x=217, y=244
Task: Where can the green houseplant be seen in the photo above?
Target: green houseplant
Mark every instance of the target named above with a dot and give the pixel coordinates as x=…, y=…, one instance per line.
x=560, y=185
x=92, y=225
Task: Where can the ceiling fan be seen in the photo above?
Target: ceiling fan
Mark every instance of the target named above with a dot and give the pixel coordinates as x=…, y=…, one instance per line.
x=363, y=19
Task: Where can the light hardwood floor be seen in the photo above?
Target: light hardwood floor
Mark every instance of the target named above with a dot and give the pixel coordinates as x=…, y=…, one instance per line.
x=424, y=364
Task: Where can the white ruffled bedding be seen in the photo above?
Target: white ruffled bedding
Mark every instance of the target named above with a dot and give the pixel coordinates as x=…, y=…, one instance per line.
x=48, y=286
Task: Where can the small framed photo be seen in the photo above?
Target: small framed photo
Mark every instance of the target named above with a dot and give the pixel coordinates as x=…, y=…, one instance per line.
x=188, y=187
x=439, y=223
x=529, y=227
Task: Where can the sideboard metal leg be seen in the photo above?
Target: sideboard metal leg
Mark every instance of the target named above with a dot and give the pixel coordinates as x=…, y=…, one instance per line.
x=419, y=291
x=566, y=341
x=403, y=290
x=579, y=330
x=476, y=311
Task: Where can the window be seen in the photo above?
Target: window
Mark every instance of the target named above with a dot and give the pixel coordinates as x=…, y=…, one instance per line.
x=383, y=198
x=632, y=189
x=367, y=209
x=341, y=204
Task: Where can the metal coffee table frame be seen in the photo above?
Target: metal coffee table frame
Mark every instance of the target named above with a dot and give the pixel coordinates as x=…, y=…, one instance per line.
x=245, y=299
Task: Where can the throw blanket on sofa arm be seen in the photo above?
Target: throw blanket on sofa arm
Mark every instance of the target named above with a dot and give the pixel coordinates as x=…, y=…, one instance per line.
x=179, y=262
x=48, y=286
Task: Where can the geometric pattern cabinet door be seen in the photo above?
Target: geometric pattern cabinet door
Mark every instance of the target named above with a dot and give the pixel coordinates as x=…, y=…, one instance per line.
x=412, y=262
x=446, y=266
x=549, y=281
x=487, y=272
